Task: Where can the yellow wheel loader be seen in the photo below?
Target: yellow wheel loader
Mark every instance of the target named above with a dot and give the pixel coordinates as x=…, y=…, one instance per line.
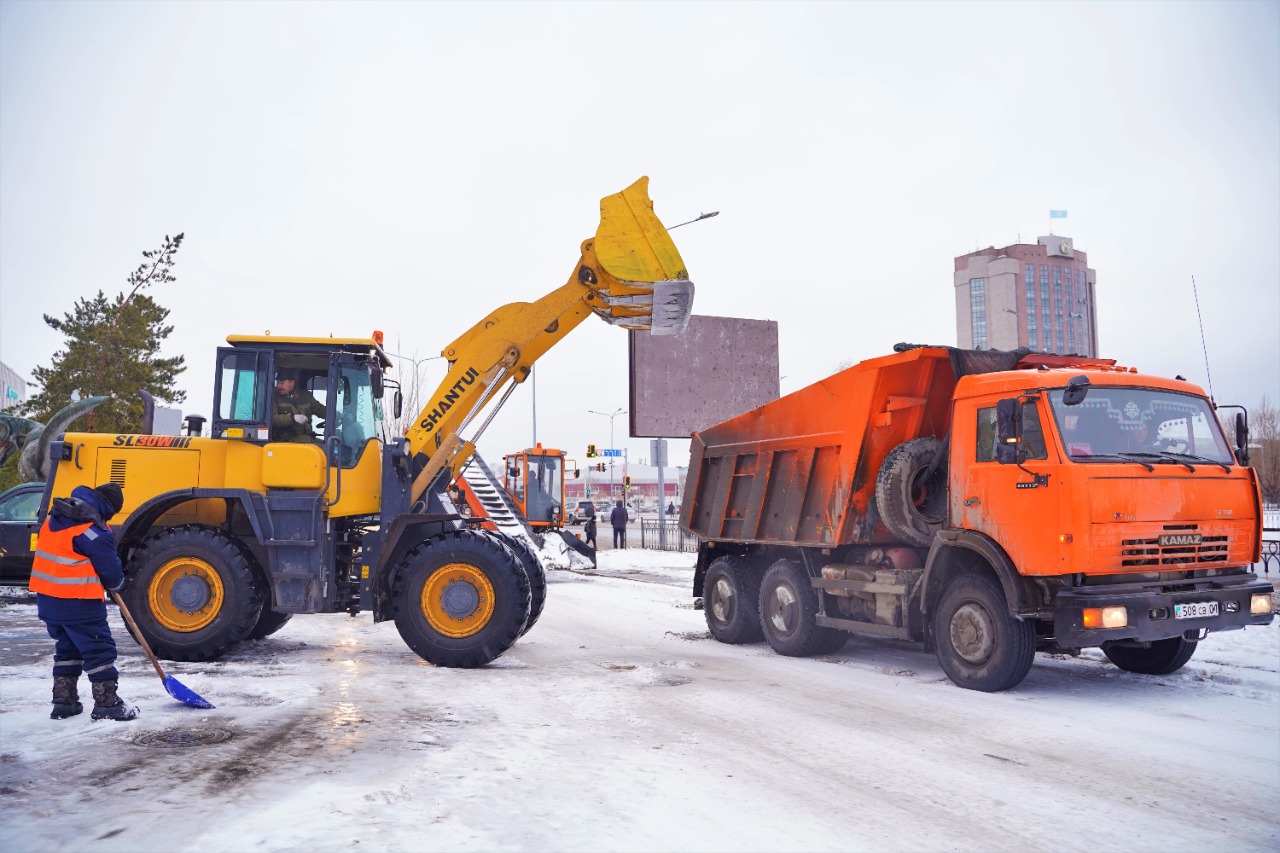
x=224, y=538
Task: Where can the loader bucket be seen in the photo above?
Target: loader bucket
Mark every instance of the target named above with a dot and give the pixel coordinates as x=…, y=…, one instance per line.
x=644, y=283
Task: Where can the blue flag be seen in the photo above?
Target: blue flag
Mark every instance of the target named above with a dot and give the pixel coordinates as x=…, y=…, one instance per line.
x=1057, y=214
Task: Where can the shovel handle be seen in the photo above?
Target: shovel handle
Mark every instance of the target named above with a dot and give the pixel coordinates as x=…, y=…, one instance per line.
x=142, y=641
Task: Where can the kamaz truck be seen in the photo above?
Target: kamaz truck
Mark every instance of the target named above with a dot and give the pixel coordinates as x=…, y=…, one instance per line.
x=987, y=504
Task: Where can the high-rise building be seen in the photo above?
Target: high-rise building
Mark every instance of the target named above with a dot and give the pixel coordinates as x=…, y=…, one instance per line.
x=1037, y=296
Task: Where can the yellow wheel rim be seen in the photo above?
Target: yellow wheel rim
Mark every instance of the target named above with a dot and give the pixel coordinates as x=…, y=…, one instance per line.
x=457, y=600
x=185, y=595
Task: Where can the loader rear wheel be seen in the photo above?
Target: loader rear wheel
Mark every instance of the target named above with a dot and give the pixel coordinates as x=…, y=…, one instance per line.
x=981, y=646
x=912, y=507
x=1161, y=658
x=537, y=578
x=460, y=599
x=731, y=601
x=194, y=593
x=788, y=613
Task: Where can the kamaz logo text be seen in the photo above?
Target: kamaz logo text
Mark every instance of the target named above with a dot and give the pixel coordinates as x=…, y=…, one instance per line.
x=446, y=403
x=1179, y=539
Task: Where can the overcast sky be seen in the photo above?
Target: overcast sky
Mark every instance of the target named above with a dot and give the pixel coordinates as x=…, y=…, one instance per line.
x=339, y=168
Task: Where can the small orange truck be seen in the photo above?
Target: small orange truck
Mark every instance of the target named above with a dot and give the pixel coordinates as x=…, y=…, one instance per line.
x=988, y=504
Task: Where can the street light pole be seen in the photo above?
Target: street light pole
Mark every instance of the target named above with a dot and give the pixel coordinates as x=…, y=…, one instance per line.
x=620, y=411
x=411, y=399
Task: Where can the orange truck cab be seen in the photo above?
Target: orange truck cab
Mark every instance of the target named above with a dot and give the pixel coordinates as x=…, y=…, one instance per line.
x=988, y=504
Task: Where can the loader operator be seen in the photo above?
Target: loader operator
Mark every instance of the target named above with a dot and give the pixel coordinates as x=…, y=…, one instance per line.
x=75, y=559
x=292, y=408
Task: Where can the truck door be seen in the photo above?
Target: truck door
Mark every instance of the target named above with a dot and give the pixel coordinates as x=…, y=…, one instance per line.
x=1017, y=506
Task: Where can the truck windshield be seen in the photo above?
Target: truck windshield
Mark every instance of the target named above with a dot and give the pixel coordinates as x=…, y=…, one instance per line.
x=1124, y=424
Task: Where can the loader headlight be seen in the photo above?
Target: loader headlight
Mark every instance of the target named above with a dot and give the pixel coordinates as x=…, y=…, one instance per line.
x=1105, y=617
x=1260, y=604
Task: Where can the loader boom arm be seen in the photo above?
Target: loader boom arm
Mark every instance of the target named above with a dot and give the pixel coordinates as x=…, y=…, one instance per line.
x=630, y=274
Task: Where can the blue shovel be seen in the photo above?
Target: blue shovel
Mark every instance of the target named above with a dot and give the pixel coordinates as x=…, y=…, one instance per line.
x=176, y=688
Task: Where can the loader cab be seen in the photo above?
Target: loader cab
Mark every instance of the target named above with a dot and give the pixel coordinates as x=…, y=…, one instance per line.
x=534, y=480
x=342, y=376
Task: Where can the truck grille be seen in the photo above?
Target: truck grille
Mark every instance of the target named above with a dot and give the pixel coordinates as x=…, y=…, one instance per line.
x=1183, y=546
x=117, y=472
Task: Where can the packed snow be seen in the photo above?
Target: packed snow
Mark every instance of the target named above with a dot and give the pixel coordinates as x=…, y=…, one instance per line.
x=617, y=723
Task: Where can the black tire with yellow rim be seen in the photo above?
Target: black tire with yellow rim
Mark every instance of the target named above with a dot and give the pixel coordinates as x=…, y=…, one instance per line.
x=460, y=599
x=194, y=592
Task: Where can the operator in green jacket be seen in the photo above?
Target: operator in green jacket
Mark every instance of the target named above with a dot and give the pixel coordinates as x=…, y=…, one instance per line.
x=292, y=409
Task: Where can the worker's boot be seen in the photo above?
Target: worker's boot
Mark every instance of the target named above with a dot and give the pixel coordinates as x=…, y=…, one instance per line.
x=66, y=699
x=108, y=706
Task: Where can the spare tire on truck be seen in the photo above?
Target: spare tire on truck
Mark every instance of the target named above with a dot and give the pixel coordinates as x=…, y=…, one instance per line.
x=912, y=507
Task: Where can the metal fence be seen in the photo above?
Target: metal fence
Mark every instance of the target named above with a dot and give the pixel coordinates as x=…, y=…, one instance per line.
x=662, y=535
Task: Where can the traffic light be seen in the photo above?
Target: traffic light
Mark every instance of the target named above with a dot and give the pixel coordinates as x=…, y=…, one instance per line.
x=591, y=451
x=599, y=466
x=626, y=482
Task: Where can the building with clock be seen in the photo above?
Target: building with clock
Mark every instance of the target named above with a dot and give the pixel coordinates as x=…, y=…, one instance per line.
x=1039, y=296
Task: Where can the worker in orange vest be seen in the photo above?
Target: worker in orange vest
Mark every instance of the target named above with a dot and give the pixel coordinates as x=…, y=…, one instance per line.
x=75, y=561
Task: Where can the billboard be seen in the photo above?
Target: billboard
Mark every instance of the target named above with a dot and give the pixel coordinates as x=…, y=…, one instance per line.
x=717, y=369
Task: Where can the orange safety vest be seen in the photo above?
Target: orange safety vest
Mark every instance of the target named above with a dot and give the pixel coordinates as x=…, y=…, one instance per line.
x=61, y=571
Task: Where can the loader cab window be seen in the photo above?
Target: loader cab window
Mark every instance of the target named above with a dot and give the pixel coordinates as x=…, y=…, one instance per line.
x=1032, y=433
x=356, y=413
x=242, y=379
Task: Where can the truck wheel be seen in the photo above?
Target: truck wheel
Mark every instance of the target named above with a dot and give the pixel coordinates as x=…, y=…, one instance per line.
x=980, y=646
x=269, y=621
x=194, y=593
x=1162, y=658
x=460, y=599
x=731, y=601
x=537, y=578
x=913, y=509
x=788, y=607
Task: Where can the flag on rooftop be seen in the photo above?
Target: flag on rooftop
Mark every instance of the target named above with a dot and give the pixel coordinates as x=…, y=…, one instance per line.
x=1057, y=214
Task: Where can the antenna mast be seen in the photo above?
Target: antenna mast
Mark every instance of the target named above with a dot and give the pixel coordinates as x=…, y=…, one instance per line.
x=1195, y=293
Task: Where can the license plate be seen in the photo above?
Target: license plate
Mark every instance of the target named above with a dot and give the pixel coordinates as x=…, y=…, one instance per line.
x=1195, y=610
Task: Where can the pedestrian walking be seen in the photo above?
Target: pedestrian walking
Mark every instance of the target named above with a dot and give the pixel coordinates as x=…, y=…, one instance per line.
x=75, y=560
x=618, y=518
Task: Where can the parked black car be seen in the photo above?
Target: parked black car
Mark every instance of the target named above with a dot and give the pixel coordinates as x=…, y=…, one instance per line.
x=19, y=508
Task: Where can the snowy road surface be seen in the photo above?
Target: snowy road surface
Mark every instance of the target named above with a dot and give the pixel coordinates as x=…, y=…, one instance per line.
x=618, y=724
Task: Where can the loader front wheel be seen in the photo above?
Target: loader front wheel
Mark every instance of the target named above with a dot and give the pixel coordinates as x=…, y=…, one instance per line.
x=460, y=599
x=731, y=601
x=194, y=593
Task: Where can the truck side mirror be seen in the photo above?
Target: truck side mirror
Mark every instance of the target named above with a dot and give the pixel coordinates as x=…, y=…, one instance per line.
x=375, y=379
x=397, y=404
x=1009, y=431
x=1242, y=438
x=1077, y=388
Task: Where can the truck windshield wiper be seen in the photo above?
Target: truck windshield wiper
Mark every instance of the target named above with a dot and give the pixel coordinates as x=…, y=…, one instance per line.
x=1225, y=466
x=1162, y=457
x=1118, y=457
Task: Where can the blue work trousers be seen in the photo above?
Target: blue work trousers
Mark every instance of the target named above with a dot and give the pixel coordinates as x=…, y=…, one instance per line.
x=85, y=646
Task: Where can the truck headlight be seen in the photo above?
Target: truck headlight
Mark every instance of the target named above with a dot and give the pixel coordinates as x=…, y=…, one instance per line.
x=1260, y=604
x=1106, y=617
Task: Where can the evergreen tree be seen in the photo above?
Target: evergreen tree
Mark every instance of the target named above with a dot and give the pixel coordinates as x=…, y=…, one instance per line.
x=112, y=349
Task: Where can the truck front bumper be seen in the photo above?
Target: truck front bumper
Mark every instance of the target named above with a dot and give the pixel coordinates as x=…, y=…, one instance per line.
x=1150, y=612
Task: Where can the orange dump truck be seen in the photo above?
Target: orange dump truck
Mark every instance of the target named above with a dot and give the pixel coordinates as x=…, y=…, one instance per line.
x=988, y=504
